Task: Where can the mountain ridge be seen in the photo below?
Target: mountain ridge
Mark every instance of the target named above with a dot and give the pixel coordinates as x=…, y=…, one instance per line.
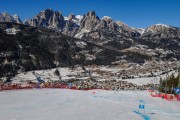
x=55, y=20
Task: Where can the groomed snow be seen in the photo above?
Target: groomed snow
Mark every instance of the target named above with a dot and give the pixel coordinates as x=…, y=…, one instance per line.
x=59, y=104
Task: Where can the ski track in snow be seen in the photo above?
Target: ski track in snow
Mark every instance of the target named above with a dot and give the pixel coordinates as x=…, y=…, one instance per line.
x=145, y=117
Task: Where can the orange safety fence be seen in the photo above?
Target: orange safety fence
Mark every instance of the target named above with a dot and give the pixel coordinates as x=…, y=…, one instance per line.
x=31, y=86
x=150, y=90
x=169, y=97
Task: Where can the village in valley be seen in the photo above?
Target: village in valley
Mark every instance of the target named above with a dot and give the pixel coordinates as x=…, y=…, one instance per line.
x=124, y=76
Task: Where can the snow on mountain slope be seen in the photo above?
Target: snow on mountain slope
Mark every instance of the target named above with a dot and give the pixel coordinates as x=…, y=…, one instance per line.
x=107, y=19
x=12, y=31
x=17, y=19
x=56, y=104
x=81, y=44
x=157, y=28
x=140, y=30
x=79, y=17
x=81, y=33
x=6, y=17
x=162, y=25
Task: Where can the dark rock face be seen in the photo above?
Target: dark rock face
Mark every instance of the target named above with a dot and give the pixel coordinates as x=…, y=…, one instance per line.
x=1, y=18
x=89, y=21
x=161, y=31
x=92, y=23
x=27, y=22
x=49, y=19
x=71, y=17
x=5, y=17
x=17, y=19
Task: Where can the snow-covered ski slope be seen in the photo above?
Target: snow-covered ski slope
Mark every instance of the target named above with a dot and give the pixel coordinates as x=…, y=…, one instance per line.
x=62, y=104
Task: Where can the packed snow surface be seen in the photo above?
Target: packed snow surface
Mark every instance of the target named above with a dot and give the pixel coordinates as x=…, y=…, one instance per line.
x=62, y=104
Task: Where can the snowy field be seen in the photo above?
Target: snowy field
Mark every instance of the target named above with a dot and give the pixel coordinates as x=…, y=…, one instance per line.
x=61, y=104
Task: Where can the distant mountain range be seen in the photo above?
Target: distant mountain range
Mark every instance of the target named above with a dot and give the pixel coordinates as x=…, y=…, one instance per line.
x=49, y=40
x=79, y=26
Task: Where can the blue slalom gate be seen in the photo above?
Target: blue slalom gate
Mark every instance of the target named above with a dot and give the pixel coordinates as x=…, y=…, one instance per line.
x=142, y=107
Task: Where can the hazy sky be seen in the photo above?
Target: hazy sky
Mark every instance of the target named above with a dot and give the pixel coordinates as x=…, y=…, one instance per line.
x=135, y=13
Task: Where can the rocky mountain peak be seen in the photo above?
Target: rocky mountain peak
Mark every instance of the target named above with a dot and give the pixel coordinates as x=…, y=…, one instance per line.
x=26, y=21
x=1, y=18
x=71, y=17
x=91, y=14
x=48, y=18
x=140, y=30
x=7, y=17
x=123, y=26
x=107, y=19
x=157, y=28
x=17, y=19
x=120, y=23
x=160, y=31
x=46, y=13
x=5, y=14
x=113, y=26
x=129, y=31
x=89, y=21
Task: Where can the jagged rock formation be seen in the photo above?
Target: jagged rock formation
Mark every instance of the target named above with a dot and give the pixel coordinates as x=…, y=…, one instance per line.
x=89, y=21
x=159, y=31
x=17, y=19
x=49, y=19
x=81, y=26
x=6, y=17
x=1, y=18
